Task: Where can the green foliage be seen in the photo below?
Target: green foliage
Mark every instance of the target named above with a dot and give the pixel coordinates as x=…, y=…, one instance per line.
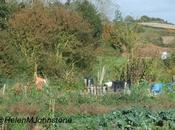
x=134, y=118
x=140, y=90
x=170, y=61
x=90, y=13
x=118, y=16
x=4, y=14
x=123, y=38
x=62, y=100
x=139, y=118
x=113, y=67
x=53, y=42
x=151, y=36
x=151, y=19
x=6, y=10
x=110, y=99
x=148, y=69
x=129, y=19
x=134, y=68
x=80, y=99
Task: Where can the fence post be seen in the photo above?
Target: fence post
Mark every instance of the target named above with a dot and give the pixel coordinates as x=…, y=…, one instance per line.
x=98, y=90
x=89, y=90
x=52, y=109
x=104, y=89
x=25, y=91
x=95, y=90
x=102, y=75
x=173, y=78
x=3, y=91
x=92, y=89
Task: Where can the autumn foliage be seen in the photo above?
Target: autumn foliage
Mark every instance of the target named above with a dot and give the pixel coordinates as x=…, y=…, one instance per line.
x=52, y=37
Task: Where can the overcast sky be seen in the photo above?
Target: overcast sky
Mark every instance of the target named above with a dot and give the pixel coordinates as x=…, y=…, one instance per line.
x=155, y=8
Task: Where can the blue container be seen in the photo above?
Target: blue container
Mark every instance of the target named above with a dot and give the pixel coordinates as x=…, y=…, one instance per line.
x=157, y=87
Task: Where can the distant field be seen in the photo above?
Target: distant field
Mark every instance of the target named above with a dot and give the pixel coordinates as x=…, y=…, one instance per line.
x=158, y=25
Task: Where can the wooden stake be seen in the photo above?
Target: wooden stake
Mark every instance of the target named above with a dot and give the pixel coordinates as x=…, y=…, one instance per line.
x=3, y=91
x=25, y=91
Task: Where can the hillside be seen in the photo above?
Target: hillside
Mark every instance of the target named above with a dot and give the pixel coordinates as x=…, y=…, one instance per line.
x=158, y=25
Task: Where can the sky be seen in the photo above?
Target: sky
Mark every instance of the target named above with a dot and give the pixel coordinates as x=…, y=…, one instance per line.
x=164, y=9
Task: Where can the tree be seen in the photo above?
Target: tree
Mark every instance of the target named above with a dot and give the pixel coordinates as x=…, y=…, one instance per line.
x=123, y=37
x=49, y=37
x=7, y=57
x=6, y=10
x=4, y=14
x=144, y=19
x=129, y=19
x=90, y=13
x=118, y=16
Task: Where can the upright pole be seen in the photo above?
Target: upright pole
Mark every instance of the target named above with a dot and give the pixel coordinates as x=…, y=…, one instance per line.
x=3, y=91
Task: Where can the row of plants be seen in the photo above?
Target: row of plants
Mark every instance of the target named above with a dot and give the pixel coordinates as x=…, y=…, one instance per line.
x=129, y=119
x=140, y=118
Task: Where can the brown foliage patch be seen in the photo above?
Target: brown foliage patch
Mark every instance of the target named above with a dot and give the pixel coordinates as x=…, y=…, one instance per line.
x=70, y=20
x=19, y=88
x=21, y=108
x=150, y=51
x=107, y=30
x=168, y=40
x=34, y=20
x=59, y=108
x=93, y=109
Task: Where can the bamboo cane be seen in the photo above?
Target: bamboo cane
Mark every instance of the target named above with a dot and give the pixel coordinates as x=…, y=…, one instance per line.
x=4, y=87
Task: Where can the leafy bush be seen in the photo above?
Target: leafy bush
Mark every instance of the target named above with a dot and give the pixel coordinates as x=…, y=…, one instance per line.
x=53, y=42
x=148, y=69
x=124, y=37
x=90, y=13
